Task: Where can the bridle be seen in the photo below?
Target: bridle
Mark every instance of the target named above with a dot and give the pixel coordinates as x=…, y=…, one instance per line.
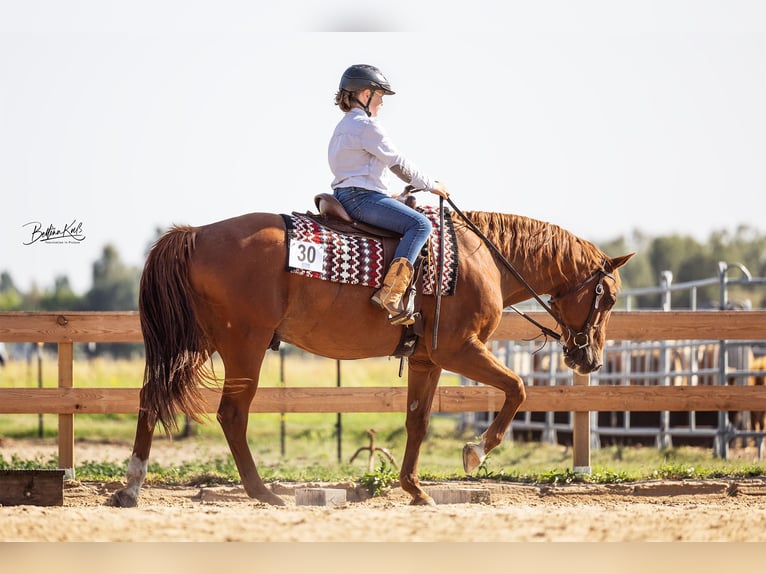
x=581, y=338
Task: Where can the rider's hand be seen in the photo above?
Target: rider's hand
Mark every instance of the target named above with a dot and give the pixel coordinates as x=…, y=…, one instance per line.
x=440, y=189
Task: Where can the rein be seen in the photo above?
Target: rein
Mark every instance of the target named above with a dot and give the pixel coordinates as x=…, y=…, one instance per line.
x=545, y=330
x=582, y=333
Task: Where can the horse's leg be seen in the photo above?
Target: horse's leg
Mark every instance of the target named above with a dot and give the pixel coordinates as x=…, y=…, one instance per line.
x=476, y=362
x=128, y=497
x=422, y=379
x=233, y=410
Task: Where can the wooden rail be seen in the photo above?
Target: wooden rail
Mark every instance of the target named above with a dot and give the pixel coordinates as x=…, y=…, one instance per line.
x=393, y=399
x=124, y=327
x=67, y=328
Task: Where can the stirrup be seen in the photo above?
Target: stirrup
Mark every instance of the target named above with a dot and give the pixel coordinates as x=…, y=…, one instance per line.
x=406, y=317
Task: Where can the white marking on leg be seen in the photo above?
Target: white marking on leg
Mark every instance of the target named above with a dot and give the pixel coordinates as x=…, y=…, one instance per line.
x=480, y=449
x=136, y=475
x=473, y=455
x=414, y=405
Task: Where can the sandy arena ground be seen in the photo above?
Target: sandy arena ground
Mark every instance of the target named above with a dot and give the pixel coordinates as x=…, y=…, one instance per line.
x=687, y=511
x=696, y=511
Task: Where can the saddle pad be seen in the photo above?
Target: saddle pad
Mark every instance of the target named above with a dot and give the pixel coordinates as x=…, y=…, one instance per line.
x=321, y=253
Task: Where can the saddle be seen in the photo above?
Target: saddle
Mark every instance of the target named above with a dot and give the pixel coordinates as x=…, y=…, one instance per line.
x=333, y=215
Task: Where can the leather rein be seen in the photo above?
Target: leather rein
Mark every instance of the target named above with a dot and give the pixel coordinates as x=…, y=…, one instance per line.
x=580, y=338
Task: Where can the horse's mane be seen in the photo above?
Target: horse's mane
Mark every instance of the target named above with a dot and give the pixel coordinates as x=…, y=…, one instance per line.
x=532, y=241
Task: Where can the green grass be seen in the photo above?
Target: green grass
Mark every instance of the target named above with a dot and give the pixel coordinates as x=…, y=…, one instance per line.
x=530, y=463
x=311, y=439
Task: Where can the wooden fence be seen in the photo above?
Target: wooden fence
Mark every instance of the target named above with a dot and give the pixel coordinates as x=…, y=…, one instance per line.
x=67, y=328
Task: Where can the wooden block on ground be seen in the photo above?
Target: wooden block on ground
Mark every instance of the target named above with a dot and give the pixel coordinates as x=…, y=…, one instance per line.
x=461, y=495
x=222, y=494
x=320, y=497
x=681, y=487
x=35, y=487
x=750, y=489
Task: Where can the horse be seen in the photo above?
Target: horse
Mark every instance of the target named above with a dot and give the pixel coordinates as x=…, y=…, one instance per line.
x=225, y=287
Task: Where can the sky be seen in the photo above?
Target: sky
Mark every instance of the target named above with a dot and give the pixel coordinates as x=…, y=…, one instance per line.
x=604, y=117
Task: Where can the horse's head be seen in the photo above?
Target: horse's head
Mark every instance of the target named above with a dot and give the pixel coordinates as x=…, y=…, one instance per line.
x=583, y=312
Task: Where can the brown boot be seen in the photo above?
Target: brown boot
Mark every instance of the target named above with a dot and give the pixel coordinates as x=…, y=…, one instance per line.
x=395, y=283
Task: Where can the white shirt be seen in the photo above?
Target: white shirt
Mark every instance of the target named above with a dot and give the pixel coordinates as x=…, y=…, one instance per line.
x=361, y=155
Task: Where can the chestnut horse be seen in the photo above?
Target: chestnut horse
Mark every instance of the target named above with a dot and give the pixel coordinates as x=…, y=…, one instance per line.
x=225, y=287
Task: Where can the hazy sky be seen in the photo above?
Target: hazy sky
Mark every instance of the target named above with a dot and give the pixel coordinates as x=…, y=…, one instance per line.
x=602, y=117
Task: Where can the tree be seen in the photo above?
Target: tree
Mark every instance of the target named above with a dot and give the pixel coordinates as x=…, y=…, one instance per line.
x=668, y=253
x=62, y=298
x=638, y=272
x=746, y=246
x=115, y=288
x=6, y=282
x=690, y=260
x=10, y=298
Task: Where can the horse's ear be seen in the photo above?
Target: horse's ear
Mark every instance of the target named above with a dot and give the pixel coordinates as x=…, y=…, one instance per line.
x=620, y=261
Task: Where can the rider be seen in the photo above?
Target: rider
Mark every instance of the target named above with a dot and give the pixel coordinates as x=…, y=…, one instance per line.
x=360, y=154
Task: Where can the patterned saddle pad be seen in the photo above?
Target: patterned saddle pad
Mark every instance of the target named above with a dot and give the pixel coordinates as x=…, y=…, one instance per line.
x=322, y=253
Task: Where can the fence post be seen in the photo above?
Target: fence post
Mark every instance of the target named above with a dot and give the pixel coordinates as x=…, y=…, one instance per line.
x=721, y=446
x=66, y=421
x=40, y=419
x=549, y=430
x=581, y=433
x=665, y=439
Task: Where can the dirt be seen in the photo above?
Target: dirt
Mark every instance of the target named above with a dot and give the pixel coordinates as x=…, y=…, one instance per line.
x=711, y=510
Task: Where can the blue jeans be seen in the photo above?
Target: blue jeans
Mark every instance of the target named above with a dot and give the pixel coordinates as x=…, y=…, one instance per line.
x=384, y=211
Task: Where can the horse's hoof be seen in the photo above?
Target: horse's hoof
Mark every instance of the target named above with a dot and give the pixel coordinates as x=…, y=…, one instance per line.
x=269, y=497
x=123, y=499
x=473, y=456
x=422, y=500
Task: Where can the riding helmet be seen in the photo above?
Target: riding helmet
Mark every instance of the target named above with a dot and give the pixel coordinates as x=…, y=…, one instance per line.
x=362, y=76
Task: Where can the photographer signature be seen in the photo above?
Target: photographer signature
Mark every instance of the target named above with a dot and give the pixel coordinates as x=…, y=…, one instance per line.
x=70, y=233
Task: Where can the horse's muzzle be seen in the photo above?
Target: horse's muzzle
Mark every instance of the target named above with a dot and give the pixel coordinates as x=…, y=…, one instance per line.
x=583, y=360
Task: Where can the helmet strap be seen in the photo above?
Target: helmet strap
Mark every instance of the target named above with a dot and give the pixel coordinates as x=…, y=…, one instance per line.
x=366, y=107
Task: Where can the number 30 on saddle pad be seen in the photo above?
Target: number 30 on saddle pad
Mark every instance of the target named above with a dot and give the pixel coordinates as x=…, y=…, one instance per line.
x=306, y=255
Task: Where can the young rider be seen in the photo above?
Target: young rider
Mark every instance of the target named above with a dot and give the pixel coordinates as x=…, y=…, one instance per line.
x=361, y=155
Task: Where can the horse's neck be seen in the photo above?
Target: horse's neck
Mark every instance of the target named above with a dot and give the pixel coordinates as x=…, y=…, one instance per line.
x=546, y=256
x=542, y=279
x=547, y=267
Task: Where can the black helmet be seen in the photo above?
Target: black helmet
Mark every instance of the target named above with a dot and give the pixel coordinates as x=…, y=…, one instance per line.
x=363, y=76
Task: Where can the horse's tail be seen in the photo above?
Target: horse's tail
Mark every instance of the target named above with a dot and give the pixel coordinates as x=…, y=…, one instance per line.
x=176, y=346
